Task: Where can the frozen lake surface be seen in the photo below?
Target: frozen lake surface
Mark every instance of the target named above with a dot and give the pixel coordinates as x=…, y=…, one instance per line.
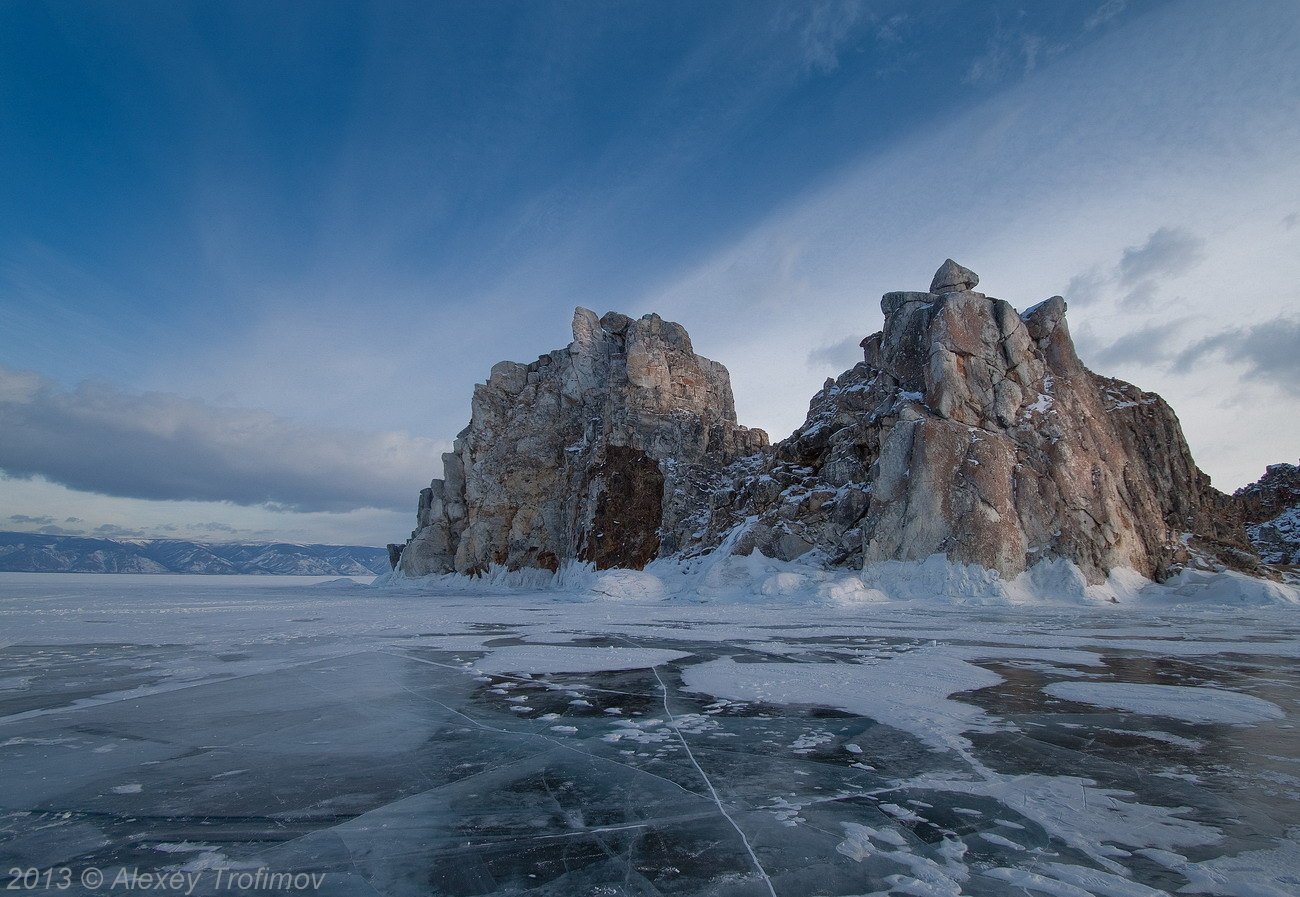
x=399, y=743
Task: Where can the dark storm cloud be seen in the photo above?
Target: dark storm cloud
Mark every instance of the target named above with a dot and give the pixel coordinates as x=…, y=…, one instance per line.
x=1270, y=351
x=97, y=438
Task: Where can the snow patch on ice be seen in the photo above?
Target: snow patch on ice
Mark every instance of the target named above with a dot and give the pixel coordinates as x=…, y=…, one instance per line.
x=908, y=692
x=1089, y=818
x=629, y=585
x=1271, y=872
x=1183, y=702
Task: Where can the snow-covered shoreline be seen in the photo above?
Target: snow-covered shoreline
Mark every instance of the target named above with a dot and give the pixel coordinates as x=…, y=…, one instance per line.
x=937, y=580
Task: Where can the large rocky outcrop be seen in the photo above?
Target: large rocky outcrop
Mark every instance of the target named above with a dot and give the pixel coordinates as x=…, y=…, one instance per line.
x=598, y=452
x=969, y=430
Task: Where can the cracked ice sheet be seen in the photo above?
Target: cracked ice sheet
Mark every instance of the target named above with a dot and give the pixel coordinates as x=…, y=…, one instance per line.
x=540, y=659
x=317, y=729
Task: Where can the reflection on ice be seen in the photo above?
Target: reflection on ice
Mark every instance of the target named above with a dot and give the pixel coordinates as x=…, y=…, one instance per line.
x=409, y=744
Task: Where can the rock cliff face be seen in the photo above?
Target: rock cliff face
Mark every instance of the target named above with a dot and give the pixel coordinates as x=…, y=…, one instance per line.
x=968, y=430
x=973, y=431
x=601, y=452
x=1271, y=509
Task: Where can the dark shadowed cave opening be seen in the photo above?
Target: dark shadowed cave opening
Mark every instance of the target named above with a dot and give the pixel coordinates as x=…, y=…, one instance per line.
x=624, y=529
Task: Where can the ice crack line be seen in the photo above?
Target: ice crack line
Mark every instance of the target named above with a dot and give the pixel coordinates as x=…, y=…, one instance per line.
x=672, y=724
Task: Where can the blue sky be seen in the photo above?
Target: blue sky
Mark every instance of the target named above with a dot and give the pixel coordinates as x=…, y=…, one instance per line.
x=254, y=256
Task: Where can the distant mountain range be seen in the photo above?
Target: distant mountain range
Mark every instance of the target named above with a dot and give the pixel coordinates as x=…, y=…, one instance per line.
x=38, y=553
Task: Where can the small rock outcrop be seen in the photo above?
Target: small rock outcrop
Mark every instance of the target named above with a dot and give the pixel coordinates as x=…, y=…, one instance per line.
x=968, y=430
x=1271, y=509
x=604, y=451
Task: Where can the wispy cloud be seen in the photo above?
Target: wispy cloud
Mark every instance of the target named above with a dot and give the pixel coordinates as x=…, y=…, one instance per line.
x=1135, y=279
x=29, y=520
x=1104, y=13
x=1147, y=345
x=823, y=29
x=1167, y=252
x=78, y=513
x=837, y=356
x=100, y=439
x=1269, y=351
x=1009, y=51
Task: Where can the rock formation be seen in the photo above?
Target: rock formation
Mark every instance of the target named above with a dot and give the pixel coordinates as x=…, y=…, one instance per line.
x=968, y=430
x=1271, y=509
x=973, y=431
x=598, y=452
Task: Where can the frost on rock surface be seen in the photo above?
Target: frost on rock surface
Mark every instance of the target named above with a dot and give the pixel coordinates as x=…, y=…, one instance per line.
x=969, y=431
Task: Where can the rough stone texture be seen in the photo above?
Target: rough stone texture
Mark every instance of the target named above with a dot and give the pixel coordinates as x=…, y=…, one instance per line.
x=1271, y=509
x=603, y=451
x=1278, y=490
x=975, y=432
x=968, y=430
x=952, y=277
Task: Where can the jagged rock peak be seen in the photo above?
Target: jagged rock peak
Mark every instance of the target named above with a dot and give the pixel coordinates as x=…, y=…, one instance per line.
x=975, y=432
x=953, y=278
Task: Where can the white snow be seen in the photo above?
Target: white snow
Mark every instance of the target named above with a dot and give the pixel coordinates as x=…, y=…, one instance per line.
x=909, y=692
x=1088, y=817
x=629, y=585
x=723, y=577
x=1060, y=880
x=1188, y=703
x=1271, y=872
x=1226, y=587
x=1040, y=405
